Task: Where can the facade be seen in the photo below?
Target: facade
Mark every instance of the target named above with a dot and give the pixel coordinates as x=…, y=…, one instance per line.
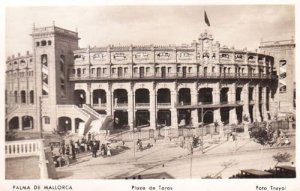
x=284, y=59
x=62, y=86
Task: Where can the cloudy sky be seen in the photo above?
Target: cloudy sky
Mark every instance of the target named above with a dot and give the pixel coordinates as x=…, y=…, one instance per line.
x=239, y=26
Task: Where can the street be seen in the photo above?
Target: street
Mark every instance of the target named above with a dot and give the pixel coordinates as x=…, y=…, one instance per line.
x=220, y=160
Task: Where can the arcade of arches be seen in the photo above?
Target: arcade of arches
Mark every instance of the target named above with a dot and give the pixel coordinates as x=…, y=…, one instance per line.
x=165, y=106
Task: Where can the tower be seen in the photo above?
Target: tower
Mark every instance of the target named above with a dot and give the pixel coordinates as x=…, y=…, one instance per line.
x=284, y=59
x=52, y=54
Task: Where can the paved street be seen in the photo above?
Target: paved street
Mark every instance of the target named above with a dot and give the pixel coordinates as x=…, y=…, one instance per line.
x=168, y=157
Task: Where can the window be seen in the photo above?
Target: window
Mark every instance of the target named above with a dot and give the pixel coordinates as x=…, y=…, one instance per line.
x=135, y=70
x=190, y=69
x=73, y=71
x=37, y=43
x=46, y=120
x=169, y=69
x=83, y=71
x=62, y=63
x=178, y=69
x=157, y=70
x=104, y=70
x=92, y=70
x=213, y=69
x=113, y=70
x=125, y=70
x=148, y=70
x=282, y=63
x=43, y=43
x=49, y=42
x=44, y=59
x=98, y=71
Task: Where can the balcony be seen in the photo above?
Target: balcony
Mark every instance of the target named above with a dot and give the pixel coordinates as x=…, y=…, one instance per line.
x=208, y=104
x=121, y=105
x=173, y=76
x=142, y=105
x=99, y=106
x=163, y=105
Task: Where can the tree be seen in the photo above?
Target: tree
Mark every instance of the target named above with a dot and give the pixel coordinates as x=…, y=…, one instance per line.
x=282, y=157
x=262, y=135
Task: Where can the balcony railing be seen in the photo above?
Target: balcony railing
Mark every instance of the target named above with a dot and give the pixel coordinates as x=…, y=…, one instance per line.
x=101, y=105
x=142, y=104
x=163, y=104
x=120, y=105
x=159, y=76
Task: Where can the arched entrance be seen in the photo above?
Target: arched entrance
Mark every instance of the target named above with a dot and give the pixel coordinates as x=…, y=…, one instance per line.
x=99, y=97
x=205, y=96
x=164, y=117
x=142, y=118
x=164, y=95
x=13, y=124
x=184, y=96
x=80, y=97
x=120, y=119
x=224, y=95
x=184, y=117
x=27, y=122
x=64, y=124
x=120, y=97
x=142, y=96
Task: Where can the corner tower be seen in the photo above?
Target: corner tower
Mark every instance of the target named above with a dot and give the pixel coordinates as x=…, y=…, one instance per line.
x=52, y=54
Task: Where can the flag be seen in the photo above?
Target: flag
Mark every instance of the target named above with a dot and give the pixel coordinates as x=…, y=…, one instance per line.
x=206, y=19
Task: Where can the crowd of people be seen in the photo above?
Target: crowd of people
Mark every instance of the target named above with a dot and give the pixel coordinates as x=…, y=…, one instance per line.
x=67, y=152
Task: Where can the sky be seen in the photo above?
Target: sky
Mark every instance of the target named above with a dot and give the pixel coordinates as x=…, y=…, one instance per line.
x=241, y=26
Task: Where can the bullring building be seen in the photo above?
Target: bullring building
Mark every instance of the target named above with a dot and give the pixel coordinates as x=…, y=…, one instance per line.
x=59, y=85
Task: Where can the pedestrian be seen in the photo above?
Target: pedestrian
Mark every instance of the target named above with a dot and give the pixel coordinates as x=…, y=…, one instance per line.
x=94, y=149
x=102, y=149
x=88, y=146
x=68, y=150
x=73, y=151
x=77, y=147
x=108, y=150
x=62, y=150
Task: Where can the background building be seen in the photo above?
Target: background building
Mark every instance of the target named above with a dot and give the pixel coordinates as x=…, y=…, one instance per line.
x=284, y=59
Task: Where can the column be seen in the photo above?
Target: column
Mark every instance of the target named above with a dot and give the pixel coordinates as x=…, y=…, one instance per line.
x=152, y=109
x=194, y=101
x=20, y=123
x=264, y=104
x=232, y=97
x=109, y=100
x=88, y=97
x=130, y=109
x=174, y=118
x=256, y=113
x=245, y=98
x=73, y=125
x=216, y=93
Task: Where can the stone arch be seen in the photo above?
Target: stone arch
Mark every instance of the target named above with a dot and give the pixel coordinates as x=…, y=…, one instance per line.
x=27, y=122
x=13, y=123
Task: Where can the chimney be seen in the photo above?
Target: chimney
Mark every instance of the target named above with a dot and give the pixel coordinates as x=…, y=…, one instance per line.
x=19, y=54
